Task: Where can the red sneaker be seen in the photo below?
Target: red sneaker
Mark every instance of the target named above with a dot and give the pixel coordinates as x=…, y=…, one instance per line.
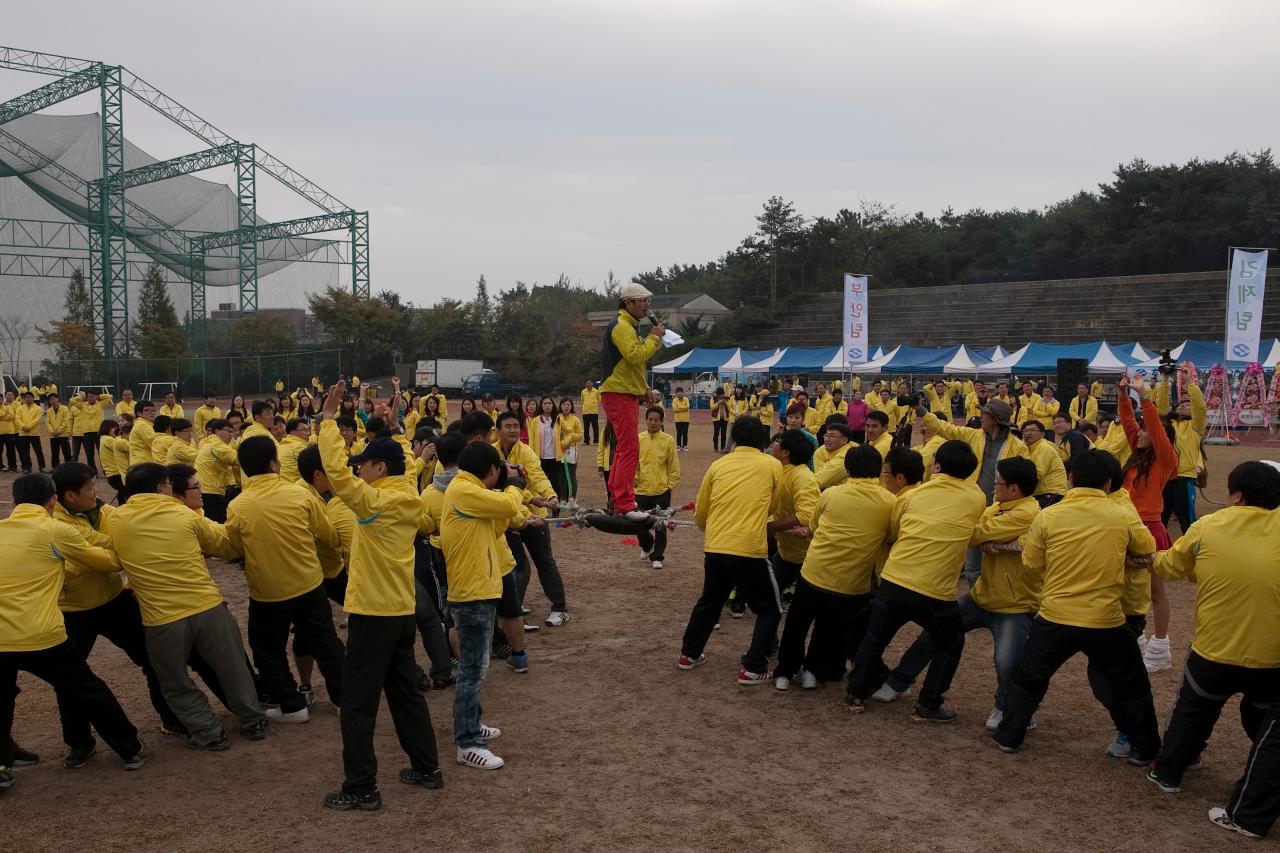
x=686, y=662
x=751, y=678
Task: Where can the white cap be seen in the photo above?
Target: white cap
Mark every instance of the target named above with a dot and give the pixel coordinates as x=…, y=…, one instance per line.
x=634, y=290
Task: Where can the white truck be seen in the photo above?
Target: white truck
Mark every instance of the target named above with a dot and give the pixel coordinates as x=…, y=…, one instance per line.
x=448, y=373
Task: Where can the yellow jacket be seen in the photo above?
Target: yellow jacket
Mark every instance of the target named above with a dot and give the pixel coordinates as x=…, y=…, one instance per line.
x=287, y=452
x=1050, y=470
x=107, y=455
x=276, y=524
x=203, y=415
x=1030, y=407
x=472, y=522
x=536, y=484
x=388, y=513
x=180, y=452
x=40, y=552
x=1115, y=442
x=122, y=456
x=1231, y=557
x=87, y=588
x=126, y=407
x=1005, y=585
x=1081, y=411
x=799, y=498
x=1136, y=598
x=831, y=471
x=1188, y=434
x=570, y=432
x=160, y=447
x=161, y=545
x=28, y=418
x=1049, y=408
x=927, y=451
x=659, y=468
x=939, y=404
x=8, y=419
x=850, y=524
x=976, y=439
x=628, y=376
x=930, y=529
x=680, y=405
x=739, y=493
x=604, y=450
x=86, y=418
x=336, y=560
x=174, y=411
x=141, y=440
x=1079, y=546
x=1096, y=389
x=590, y=401
x=216, y=466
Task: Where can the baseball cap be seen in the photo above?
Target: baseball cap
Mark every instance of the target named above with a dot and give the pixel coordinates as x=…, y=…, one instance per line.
x=382, y=450
x=634, y=290
x=1000, y=410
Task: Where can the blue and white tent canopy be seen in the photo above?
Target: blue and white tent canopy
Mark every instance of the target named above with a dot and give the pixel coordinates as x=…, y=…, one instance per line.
x=796, y=360
x=905, y=359
x=1043, y=358
x=991, y=353
x=1205, y=354
x=697, y=360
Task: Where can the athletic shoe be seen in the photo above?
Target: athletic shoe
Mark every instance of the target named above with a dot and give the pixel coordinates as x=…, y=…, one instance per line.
x=808, y=680
x=657, y=564
x=1008, y=750
x=518, y=662
x=138, y=761
x=308, y=694
x=78, y=758
x=524, y=611
x=686, y=662
x=637, y=515
x=6, y=779
x=256, y=731
x=488, y=733
x=1119, y=747
x=24, y=758
x=782, y=683
x=921, y=714
x=1217, y=817
x=994, y=718
x=1031, y=726
x=1167, y=787
x=433, y=779
x=1156, y=656
x=644, y=554
x=1137, y=759
x=557, y=618
x=221, y=744
x=278, y=716
x=174, y=730
x=1196, y=764
x=479, y=758
x=737, y=609
x=748, y=678
x=343, y=802
x=531, y=627
x=886, y=693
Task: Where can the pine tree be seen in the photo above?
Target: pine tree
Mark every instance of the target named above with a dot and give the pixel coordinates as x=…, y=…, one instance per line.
x=482, y=307
x=72, y=336
x=77, y=307
x=156, y=333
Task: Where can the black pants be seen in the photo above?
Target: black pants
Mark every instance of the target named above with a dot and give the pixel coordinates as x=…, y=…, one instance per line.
x=1098, y=682
x=682, y=433
x=428, y=604
x=1206, y=687
x=832, y=617
x=719, y=434
x=656, y=541
x=26, y=444
x=269, y=623
x=87, y=442
x=538, y=542
x=590, y=428
x=73, y=682
x=1115, y=653
x=336, y=589
x=785, y=572
x=754, y=579
x=59, y=450
x=893, y=607
x=9, y=449
x=1255, y=803
x=117, y=482
x=1179, y=501
x=554, y=469
x=380, y=660
x=215, y=507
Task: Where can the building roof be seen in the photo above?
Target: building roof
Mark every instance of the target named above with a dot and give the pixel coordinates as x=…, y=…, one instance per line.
x=676, y=301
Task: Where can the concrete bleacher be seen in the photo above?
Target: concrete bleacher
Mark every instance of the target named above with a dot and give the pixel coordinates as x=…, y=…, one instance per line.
x=1156, y=310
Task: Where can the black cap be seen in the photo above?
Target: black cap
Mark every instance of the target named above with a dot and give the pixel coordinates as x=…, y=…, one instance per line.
x=380, y=449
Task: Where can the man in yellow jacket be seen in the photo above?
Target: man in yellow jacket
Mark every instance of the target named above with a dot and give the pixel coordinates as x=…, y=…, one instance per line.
x=930, y=528
x=381, y=600
x=657, y=478
x=623, y=358
x=143, y=434
x=1050, y=471
x=1080, y=547
x=29, y=415
x=680, y=406
x=1230, y=556
x=1006, y=596
x=9, y=433
x=87, y=415
x=478, y=505
x=739, y=493
x=216, y=468
x=297, y=438
x=40, y=553
x=204, y=413
x=1083, y=407
x=590, y=412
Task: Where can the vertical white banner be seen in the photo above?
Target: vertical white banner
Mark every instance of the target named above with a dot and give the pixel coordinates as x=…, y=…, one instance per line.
x=855, y=319
x=1247, y=284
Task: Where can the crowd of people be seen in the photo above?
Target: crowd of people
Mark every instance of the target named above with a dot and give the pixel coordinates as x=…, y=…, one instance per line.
x=1044, y=522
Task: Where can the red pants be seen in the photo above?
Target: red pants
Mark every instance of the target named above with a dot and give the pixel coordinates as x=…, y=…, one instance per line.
x=621, y=410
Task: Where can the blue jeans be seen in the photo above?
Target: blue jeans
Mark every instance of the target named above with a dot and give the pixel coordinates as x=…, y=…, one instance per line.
x=474, y=621
x=1010, y=631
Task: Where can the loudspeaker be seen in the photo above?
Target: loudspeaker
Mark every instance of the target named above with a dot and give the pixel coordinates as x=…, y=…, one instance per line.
x=1071, y=372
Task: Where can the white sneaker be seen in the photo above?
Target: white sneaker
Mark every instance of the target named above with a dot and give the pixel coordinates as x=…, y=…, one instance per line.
x=488, y=733
x=479, y=758
x=808, y=680
x=529, y=626
x=782, y=683
x=993, y=721
x=1156, y=656
x=644, y=555
x=657, y=564
x=1219, y=817
x=275, y=715
x=887, y=694
x=557, y=618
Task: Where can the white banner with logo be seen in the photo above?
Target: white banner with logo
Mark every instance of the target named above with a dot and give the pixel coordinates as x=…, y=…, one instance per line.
x=855, y=319
x=1247, y=283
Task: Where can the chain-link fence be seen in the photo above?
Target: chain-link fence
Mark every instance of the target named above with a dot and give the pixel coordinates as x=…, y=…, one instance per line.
x=248, y=375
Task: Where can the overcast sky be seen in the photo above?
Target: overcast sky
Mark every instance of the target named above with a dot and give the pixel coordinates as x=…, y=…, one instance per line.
x=525, y=139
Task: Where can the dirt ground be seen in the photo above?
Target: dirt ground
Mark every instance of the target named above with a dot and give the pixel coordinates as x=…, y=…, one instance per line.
x=609, y=746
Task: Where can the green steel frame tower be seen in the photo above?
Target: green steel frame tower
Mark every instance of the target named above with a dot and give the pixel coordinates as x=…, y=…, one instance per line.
x=112, y=220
